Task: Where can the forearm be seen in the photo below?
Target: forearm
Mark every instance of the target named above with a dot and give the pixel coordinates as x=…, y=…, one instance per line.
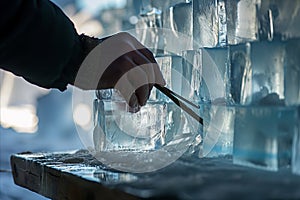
x=39, y=43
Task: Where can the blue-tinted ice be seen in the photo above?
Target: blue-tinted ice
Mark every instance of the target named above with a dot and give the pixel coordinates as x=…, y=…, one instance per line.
x=263, y=136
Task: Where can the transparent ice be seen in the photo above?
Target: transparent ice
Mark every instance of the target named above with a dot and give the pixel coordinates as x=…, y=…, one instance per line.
x=207, y=69
x=158, y=124
x=263, y=136
x=192, y=72
x=292, y=73
x=178, y=23
x=296, y=148
x=258, y=69
x=159, y=4
x=118, y=129
x=280, y=18
x=240, y=72
x=205, y=23
x=266, y=75
x=214, y=74
x=242, y=21
x=148, y=30
x=218, y=129
x=171, y=68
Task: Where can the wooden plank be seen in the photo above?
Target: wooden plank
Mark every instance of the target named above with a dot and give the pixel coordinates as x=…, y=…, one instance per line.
x=77, y=175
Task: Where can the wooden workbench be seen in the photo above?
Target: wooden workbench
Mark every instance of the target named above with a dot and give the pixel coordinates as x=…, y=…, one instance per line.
x=77, y=175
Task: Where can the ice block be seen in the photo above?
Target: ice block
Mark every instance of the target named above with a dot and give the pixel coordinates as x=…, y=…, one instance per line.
x=258, y=69
x=296, y=148
x=158, y=124
x=263, y=136
x=148, y=30
x=117, y=129
x=205, y=23
x=265, y=87
x=215, y=74
x=218, y=129
x=242, y=23
x=279, y=18
x=178, y=24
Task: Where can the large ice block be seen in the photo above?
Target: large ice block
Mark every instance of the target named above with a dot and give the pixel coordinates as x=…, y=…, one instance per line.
x=192, y=72
x=296, y=148
x=258, y=69
x=279, y=18
x=206, y=70
x=171, y=68
x=162, y=22
x=215, y=74
x=292, y=73
x=148, y=30
x=205, y=23
x=264, y=78
x=159, y=4
x=178, y=24
x=240, y=75
x=242, y=23
x=157, y=125
x=263, y=136
x=218, y=129
x=220, y=22
x=117, y=129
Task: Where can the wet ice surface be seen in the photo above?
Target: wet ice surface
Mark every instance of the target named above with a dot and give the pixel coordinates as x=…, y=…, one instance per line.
x=187, y=178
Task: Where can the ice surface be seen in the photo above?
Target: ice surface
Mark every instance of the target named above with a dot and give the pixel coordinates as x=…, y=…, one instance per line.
x=261, y=68
x=157, y=124
x=166, y=4
x=192, y=72
x=292, y=73
x=263, y=136
x=218, y=129
x=171, y=68
x=242, y=21
x=240, y=72
x=296, y=149
x=205, y=23
x=281, y=18
x=178, y=20
x=117, y=129
x=219, y=22
x=214, y=74
x=267, y=62
x=148, y=30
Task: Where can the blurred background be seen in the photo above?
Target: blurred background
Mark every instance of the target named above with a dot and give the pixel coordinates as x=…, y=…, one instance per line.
x=40, y=120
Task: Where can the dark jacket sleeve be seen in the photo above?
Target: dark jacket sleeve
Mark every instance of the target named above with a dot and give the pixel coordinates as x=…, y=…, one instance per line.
x=39, y=43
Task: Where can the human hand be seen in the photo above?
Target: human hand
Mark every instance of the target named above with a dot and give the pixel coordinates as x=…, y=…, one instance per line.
x=123, y=63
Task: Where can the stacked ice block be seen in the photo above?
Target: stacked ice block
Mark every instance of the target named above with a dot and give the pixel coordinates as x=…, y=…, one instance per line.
x=240, y=60
x=158, y=124
x=267, y=119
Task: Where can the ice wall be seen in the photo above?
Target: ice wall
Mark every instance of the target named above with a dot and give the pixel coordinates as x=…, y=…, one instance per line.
x=240, y=60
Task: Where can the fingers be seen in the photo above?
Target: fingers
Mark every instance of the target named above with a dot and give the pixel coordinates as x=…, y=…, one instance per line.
x=145, y=57
x=134, y=87
x=155, y=68
x=133, y=73
x=139, y=80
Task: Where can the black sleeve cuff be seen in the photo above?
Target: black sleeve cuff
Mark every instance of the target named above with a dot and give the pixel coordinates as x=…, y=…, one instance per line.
x=81, y=49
